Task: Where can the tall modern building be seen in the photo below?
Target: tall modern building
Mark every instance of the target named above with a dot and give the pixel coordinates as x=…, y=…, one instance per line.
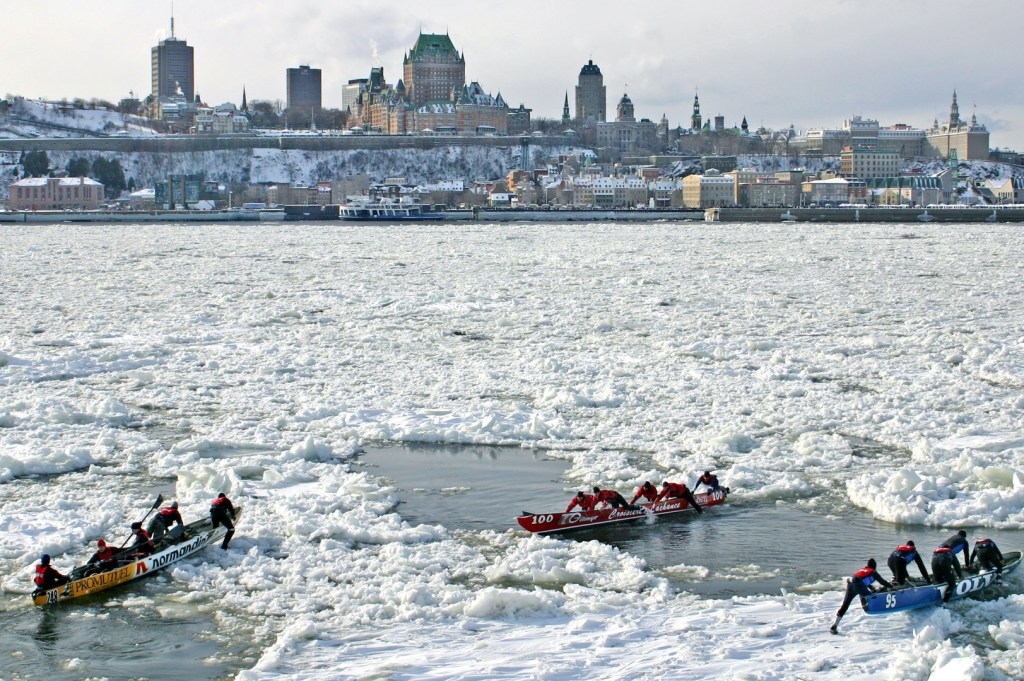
x=173, y=68
x=591, y=95
x=433, y=70
x=304, y=88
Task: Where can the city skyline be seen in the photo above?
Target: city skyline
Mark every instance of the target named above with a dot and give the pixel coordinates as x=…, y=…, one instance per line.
x=778, y=64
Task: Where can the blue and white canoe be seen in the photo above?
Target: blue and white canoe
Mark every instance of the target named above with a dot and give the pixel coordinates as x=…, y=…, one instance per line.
x=914, y=596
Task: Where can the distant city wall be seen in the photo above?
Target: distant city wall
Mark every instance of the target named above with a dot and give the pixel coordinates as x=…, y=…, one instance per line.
x=197, y=143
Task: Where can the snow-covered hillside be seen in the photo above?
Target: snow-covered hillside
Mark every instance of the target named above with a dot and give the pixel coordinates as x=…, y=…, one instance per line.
x=29, y=118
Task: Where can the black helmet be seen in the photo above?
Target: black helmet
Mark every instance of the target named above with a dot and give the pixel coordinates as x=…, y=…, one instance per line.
x=910, y=542
x=665, y=484
x=962, y=533
x=174, y=504
x=871, y=563
x=44, y=559
x=579, y=494
x=136, y=526
x=596, y=489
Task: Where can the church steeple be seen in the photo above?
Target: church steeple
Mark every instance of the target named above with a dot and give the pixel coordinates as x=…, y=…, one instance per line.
x=245, y=104
x=565, y=109
x=695, y=119
x=954, y=113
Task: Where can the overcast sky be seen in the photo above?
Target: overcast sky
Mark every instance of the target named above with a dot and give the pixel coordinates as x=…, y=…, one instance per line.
x=778, y=62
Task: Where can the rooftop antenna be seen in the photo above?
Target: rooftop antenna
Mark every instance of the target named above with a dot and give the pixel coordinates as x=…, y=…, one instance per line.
x=172, y=19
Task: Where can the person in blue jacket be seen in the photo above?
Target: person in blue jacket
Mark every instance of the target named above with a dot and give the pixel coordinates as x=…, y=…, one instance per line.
x=957, y=544
x=859, y=585
x=903, y=556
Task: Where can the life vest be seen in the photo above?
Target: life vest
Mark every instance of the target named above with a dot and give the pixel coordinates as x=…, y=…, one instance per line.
x=984, y=544
x=677, y=489
x=606, y=495
x=168, y=514
x=941, y=550
x=709, y=479
x=105, y=554
x=866, y=575
x=40, y=577
x=216, y=504
x=647, y=492
x=907, y=553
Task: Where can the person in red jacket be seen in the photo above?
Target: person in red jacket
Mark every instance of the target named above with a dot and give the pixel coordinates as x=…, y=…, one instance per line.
x=709, y=480
x=610, y=497
x=164, y=520
x=104, y=559
x=586, y=502
x=859, y=585
x=222, y=512
x=143, y=545
x=46, y=576
x=647, y=491
x=678, y=490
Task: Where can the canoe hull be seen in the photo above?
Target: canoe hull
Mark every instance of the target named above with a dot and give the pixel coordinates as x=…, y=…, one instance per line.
x=547, y=523
x=911, y=598
x=200, y=534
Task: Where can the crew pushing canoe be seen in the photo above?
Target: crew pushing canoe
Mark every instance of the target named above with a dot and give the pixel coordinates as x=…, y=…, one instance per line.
x=108, y=567
x=589, y=510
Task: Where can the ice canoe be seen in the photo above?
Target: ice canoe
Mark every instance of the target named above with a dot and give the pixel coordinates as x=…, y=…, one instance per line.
x=546, y=523
x=922, y=595
x=177, y=544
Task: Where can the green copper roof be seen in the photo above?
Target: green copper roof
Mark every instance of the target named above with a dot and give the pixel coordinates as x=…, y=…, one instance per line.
x=433, y=45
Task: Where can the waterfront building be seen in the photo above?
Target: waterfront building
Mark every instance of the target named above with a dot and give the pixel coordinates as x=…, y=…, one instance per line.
x=173, y=68
x=832, y=191
x=708, y=190
x=967, y=141
x=868, y=163
x=591, y=94
x=55, y=193
x=304, y=88
x=433, y=70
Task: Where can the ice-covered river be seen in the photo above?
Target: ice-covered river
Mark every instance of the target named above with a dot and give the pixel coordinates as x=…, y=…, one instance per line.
x=855, y=385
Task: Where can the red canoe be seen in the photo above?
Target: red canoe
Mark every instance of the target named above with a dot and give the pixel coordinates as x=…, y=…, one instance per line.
x=545, y=523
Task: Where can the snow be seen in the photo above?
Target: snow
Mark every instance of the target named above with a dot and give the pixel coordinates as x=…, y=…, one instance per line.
x=848, y=365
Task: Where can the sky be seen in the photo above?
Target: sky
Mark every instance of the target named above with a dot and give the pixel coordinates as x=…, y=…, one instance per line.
x=809, y=64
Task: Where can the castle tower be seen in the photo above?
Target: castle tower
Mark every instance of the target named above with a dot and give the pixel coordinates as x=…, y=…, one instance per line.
x=591, y=94
x=433, y=69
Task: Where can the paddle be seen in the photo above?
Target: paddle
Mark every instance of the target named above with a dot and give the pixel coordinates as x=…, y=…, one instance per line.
x=159, y=500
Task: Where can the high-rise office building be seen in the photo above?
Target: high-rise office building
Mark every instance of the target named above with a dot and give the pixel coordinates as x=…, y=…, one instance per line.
x=304, y=90
x=433, y=70
x=173, y=65
x=591, y=97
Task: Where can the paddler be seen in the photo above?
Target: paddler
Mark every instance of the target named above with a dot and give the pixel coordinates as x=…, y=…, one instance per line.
x=678, y=490
x=958, y=544
x=143, y=545
x=586, y=502
x=987, y=555
x=709, y=480
x=904, y=555
x=610, y=497
x=104, y=559
x=47, y=576
x=859, y=585
x=223, y=513
x=164, y=520
x=647, y=491
x=944, y=564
